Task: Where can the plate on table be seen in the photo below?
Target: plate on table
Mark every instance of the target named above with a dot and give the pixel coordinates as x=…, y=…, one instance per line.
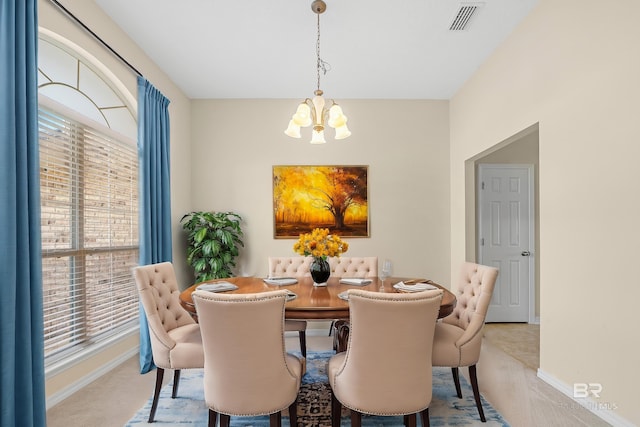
x=344, y=295
x=280, y=281
x=291, y=296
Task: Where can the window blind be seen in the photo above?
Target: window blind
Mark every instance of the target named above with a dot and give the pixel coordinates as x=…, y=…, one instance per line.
x=89, y=212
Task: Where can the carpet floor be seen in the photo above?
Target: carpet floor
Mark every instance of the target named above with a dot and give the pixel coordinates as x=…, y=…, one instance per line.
x=314, y=403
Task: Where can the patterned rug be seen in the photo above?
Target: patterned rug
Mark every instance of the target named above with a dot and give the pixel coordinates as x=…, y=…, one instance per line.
x=314, y=403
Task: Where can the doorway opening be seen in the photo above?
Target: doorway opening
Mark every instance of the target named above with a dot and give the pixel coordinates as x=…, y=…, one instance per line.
x=520, y=149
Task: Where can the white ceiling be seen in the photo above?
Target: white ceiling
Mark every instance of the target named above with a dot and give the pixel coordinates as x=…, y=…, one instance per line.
x=400, y=49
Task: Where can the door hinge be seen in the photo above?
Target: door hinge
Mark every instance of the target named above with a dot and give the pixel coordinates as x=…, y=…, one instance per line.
x=482, y=185
x=482, y=241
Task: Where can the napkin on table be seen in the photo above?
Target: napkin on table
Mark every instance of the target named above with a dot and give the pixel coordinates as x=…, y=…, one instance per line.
x=355, y=281
x=217, y=287
x=418, y=287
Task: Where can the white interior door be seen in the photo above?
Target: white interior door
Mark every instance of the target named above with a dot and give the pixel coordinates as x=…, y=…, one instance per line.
x=505, y=240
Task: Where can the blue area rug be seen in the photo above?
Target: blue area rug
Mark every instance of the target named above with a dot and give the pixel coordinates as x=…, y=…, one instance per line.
x=314, y=403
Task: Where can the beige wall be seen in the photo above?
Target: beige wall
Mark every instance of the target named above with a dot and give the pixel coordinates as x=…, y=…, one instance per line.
x=405, y=144
x=570, y=67
x=51, y=18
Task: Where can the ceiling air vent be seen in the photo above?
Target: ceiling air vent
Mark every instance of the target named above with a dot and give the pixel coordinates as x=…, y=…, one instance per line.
x=463, y=16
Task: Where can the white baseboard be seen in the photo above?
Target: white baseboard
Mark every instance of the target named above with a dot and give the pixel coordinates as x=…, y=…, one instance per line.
x=59, y=396
x=603, y=410
x=315, y=328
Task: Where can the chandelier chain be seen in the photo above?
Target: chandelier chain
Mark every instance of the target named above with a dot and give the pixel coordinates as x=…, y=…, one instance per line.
x=320, y=64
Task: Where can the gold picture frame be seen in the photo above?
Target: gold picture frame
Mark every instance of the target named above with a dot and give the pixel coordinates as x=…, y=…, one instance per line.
x=308, y=197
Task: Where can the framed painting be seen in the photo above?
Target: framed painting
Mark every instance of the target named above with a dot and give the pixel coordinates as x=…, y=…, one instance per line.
x=308, y=197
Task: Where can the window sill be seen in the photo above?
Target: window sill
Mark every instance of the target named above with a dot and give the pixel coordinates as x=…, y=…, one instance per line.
x=87, y=353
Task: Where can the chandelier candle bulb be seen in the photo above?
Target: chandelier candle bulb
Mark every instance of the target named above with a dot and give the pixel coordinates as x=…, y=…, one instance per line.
x=317, y=137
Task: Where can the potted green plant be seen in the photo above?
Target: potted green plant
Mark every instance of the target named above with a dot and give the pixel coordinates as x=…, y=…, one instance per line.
x=214, y=239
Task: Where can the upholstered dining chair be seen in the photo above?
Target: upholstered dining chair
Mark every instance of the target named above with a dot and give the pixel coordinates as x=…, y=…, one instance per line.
x=247, y=371
x=292, y=267
x=298, y=266
x=458, y=337
x=383, y=371
x=175, y=337
x=360, y=267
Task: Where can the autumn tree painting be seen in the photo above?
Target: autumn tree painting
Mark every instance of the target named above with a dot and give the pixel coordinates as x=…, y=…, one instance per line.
x=333, y=197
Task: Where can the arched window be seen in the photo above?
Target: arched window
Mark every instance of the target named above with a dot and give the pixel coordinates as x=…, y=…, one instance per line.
x=89, y=200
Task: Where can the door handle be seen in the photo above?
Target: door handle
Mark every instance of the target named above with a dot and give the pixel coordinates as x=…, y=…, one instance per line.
x=525, y=253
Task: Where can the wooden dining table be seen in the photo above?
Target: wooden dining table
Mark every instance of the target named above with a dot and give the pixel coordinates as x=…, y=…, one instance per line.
x=316, y=302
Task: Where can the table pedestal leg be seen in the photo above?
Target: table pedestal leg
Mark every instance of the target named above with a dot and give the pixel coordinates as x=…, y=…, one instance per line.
x=340, y=335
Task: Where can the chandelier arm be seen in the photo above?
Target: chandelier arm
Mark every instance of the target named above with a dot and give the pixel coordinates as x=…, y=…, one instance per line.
x=312, y=107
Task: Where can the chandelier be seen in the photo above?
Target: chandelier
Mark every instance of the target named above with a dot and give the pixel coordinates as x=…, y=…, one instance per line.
x=314, y=111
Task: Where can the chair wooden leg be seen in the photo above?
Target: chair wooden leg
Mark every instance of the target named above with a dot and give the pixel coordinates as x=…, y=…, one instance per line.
x=303, y=343
x=293, y=414
x=331, y=327
x=424, y=417
x=410, y=420
x=225, y=420
x=456, y=381
x=356, y=419
x=156, y=393
x=176, y=381
x=275, y=419
x=213, y=418
x=336, y=411
x=476, y=392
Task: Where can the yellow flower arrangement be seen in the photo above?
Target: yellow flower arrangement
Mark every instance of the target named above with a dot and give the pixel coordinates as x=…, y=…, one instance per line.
x=320, y=244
